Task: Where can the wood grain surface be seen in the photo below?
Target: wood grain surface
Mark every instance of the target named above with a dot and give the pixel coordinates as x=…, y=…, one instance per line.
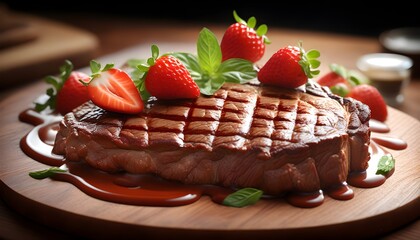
x=372, y=212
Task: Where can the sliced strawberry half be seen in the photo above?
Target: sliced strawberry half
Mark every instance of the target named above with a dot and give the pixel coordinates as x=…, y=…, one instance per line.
x=113, y=89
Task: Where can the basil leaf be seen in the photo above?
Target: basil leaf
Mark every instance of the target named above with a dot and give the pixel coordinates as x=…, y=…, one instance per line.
x=190, y=61
x=243, y=197
x=208, y=51
x=385, y=165
x=237, y=70
x=46, y=173
x=132, y=63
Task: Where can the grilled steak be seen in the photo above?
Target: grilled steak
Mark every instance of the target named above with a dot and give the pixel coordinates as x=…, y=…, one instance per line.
x=277, y=140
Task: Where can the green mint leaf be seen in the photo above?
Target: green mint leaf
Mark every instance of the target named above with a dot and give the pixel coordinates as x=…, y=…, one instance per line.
x=46, y=173
x=208, y=87
x=243, y=197
x=237, y=70
x=190, y=61
x=385, y=165
x=95, y=67
x=132, y=63
x=208, y=51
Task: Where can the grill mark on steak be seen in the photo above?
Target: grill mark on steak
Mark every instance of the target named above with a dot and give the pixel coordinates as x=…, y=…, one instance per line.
x=242, y=136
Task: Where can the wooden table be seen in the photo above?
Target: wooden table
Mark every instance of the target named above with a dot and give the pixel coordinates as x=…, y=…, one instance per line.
x=117, y=34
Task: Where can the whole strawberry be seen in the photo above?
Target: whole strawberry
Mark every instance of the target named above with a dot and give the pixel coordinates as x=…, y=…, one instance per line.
x=340, y=80
x=67, y=92
x=370, y=96
x=289, y=67
x=241, y=40
x=167, y=78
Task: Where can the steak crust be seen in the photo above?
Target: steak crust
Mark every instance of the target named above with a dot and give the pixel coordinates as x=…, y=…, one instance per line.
x=276, y=140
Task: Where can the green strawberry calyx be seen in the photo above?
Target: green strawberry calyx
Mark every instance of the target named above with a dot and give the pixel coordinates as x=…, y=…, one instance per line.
x=57, y=83
x=353, y=77
x=251, y=23
x=141, y=69
x=206, y=67
x=309, y=62
x=95, y=68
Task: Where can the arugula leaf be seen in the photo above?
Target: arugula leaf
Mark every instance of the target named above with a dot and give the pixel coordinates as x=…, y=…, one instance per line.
x=385, y=165
x=46, y=173
x=243, y=197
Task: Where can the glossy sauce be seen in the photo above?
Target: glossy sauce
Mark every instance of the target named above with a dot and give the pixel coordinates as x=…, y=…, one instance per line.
x=150, y=190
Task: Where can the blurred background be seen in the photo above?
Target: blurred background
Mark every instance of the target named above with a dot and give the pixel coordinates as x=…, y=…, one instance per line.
x=351, y=17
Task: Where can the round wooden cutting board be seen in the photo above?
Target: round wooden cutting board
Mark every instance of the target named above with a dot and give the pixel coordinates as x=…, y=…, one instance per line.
x=372, y=212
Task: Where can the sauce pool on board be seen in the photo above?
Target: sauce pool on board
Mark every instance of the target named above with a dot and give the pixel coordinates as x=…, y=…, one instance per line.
x=150, y=190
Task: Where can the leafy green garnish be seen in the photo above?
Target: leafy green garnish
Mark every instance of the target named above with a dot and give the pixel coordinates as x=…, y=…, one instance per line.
x=207, y=68
x=308, y=61
x=138, y=77
x=385, y=165
x=57, y=83
x=243, y=197
x=340, y=89
x=353, y=77
x=251, y=23
x=46, y=173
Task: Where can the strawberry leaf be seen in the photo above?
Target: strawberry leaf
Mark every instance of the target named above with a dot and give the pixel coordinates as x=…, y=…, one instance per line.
x=95, y=67
x=262, y=30
x=57, y=84
x=252, y=22
x=340, y=89
x=309, y=61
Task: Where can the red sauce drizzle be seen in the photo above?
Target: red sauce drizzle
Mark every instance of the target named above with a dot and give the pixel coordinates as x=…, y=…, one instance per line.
x=150, y=190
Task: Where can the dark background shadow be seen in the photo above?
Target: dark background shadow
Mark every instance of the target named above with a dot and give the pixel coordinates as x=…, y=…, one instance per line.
x=336, y=16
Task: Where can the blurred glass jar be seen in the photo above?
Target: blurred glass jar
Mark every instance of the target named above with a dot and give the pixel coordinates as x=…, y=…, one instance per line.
x=404, y=41
x=389, y=73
